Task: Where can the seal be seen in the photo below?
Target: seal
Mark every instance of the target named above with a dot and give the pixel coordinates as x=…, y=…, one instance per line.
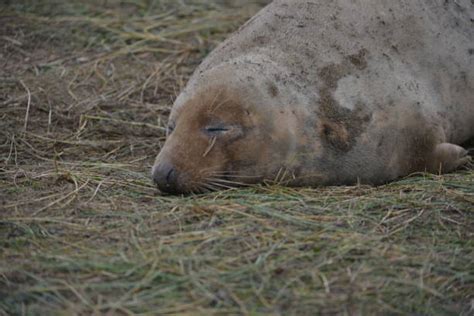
x=313, y=92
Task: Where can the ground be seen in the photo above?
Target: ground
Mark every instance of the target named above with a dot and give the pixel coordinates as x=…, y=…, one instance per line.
x=85, y=90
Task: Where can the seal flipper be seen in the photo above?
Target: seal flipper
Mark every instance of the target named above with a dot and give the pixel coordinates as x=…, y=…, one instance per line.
x=448, y=157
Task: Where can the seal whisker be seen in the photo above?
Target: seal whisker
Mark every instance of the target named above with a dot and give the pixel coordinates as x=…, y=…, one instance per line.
x=213, y=107
x=229, y=183
x=224, y=172
x=214, y=187
x=227, y=174
x=202, y=187
x=204, y=171
x=214, y=101
x=211, y=145
x=207, y=186
x=226, y=181
x=220, y=104
x=221, y=185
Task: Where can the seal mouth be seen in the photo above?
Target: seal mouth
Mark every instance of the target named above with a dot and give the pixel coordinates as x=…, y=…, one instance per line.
x=208, y=186
x=171, y=182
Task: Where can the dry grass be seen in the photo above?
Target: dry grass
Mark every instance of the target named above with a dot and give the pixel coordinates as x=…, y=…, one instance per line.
x=85, y=88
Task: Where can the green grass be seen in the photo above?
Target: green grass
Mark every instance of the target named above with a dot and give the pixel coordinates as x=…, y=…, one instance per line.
x=83, y=230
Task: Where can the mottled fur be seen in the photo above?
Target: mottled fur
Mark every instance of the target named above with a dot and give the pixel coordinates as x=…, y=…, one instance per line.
x=328, y=92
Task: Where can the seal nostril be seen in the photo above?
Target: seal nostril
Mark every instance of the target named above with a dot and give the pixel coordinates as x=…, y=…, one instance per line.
x=166, y=177
x=169, y=176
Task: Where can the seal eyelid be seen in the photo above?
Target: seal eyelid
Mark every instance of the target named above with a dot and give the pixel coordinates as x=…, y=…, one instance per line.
x=217, y=129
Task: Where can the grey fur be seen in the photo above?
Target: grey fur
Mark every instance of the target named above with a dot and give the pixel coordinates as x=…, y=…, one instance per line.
x=367, y=89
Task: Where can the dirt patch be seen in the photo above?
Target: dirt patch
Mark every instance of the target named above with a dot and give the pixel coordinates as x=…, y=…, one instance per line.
x=339, y=126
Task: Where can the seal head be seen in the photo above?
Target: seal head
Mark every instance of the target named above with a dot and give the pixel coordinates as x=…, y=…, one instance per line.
x=218, y=139
x=233, y=128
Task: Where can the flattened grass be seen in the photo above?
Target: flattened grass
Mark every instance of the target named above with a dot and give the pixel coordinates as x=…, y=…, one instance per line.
x=82, y=229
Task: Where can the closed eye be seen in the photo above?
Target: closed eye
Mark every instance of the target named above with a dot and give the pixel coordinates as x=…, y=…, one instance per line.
x=215, y=130
x=227, y=131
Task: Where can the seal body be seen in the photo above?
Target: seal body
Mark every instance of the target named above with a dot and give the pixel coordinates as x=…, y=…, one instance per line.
x=312, y=92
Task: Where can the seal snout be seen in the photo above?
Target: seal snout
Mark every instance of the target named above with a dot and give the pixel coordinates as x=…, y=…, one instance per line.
x=165, y=177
